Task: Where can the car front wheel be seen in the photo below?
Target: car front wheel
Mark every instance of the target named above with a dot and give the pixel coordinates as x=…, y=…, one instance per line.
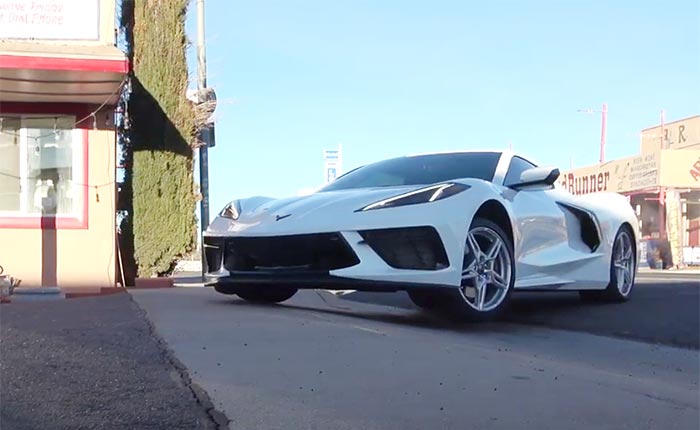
x=488, y=273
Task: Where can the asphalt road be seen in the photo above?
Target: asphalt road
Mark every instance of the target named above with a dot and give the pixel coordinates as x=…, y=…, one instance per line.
x=90, y=363
x=320, y=362
x=663, y=309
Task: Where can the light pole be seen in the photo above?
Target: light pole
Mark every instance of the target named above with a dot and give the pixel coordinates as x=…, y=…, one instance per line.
x=662, y=190
x=204, y=148
x=603, y=128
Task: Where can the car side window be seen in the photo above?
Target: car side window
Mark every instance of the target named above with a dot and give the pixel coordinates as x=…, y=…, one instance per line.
x=515, y=169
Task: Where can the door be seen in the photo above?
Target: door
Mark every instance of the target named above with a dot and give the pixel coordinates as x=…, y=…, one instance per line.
x=543, y=251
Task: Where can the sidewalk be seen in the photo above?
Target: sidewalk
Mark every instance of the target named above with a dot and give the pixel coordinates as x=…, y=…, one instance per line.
x=687, y=274
x=93, y=363
x=673, y=271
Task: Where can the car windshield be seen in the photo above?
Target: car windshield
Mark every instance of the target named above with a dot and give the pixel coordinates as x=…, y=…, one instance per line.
x=419, y=170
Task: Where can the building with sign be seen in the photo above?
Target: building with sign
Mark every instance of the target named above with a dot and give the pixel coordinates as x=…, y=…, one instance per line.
x=662, y=183
x=60, y=79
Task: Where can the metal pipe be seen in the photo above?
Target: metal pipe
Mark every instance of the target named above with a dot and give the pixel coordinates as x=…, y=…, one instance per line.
x=662, y=190
x=204, y=149
x=201, y=48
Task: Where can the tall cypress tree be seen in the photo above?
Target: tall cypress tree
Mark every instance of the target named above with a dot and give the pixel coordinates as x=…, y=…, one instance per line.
x=157, y=147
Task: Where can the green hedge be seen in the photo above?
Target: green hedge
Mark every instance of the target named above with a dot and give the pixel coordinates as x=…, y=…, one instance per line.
x=159, y=156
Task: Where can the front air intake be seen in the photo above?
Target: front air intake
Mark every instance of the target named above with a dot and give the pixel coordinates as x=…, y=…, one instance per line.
x=413, y=248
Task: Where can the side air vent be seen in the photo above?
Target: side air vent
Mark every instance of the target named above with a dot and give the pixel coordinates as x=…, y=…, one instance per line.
x=590, y=233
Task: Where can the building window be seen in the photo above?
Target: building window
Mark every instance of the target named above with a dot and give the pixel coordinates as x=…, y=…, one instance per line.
x=42, y=167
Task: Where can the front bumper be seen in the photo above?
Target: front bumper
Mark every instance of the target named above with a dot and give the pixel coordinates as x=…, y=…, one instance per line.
x=229, y=282
x=373, y=260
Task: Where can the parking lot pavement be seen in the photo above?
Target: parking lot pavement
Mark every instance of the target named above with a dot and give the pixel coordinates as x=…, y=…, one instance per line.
x=90, y=363
x=319, y=362
x=664, y=311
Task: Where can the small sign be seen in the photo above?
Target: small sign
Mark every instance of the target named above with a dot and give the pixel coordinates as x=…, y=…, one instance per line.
x=332, y=164
x=50, y=19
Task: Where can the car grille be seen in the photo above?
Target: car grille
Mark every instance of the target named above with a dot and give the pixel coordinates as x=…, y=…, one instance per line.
x=309, y=252
x=417, y=248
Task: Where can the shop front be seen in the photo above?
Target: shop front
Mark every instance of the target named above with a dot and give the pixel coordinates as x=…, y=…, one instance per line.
x=662, y=183
x=60, y=78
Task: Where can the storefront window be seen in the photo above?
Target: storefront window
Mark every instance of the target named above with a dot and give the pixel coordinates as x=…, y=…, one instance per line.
x=41, y=162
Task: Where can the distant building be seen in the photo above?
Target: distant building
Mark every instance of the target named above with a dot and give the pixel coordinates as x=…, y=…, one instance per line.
x=60, y=76
x=662, y=184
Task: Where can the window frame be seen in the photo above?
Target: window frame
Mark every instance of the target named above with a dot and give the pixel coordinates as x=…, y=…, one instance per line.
x=78, y=220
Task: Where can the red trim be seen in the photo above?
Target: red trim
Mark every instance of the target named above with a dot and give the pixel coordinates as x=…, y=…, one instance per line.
x=62, y=63
x=23, y=108
x=59, y=223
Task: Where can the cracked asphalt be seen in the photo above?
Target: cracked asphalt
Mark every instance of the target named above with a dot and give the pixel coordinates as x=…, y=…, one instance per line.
x=91, y=363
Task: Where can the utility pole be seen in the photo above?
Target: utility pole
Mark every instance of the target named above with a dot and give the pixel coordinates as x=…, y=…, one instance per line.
x=604, y=121
x=203, y=149
x=603, y=128
x=662, y=190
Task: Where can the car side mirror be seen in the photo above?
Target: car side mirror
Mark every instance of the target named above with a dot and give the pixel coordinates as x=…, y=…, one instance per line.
x=537, y=176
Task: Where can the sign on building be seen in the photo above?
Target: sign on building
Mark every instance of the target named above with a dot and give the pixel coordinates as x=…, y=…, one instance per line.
x=332, y=164
x=50, y=19
x=627, y=174
x=684, y=133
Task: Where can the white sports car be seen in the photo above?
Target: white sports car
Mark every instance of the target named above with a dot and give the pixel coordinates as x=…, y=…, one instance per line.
x=458, y=231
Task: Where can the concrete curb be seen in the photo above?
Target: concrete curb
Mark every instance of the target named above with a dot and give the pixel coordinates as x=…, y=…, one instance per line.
x=219, y=420
x=54, y=293
x=671, y=272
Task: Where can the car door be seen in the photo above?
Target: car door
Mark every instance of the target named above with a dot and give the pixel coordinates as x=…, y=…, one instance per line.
x=541, y=245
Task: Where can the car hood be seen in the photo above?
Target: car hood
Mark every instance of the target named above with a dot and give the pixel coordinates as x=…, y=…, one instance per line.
x=315, y=208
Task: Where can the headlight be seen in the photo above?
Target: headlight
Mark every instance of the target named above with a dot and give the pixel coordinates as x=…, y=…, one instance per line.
x=231, y=211
x=424, y=195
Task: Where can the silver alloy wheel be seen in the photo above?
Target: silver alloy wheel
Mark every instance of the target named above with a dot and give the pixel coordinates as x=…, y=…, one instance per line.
x=623, y=263
x=487, y=269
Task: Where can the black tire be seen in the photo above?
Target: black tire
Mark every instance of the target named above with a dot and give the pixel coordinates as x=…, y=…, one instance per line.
x=611, y=293
x=428, y=300
x=264, y=294
x=457, y=304
x=227, y=289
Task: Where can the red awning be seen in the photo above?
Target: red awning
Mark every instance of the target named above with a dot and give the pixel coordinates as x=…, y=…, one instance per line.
x=33, y=72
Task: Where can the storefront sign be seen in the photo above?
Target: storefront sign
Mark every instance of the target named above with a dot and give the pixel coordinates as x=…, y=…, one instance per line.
x=675, y=135
x=695, y=171
x=643, y=172
x=627, y=174
x=50, y=19
x=680, y=168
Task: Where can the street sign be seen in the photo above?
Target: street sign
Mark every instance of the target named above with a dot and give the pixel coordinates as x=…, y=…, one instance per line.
x=332, y=164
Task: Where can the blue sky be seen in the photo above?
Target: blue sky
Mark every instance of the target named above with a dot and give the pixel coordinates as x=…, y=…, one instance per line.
x=387, y=78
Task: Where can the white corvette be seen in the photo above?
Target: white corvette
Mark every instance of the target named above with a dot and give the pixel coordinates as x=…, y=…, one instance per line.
x=458, y=231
